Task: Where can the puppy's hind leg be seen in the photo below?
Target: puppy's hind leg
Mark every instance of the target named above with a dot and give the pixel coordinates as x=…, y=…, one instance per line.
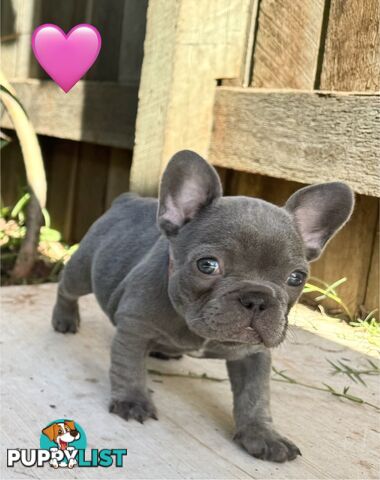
x=74, y=283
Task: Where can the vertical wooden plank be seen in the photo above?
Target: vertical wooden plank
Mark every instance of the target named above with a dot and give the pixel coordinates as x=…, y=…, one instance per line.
x=63, y=161
x=352, y=55
x=90, y=191
x=16, y=50
x=13, y=178
x=285, y=55
x=132, y=41
x=188, y=46
x=64, y=14
x=349, y=254
x=287, y=43
x=272, y=190
x=244, y=78
x=154, y=96
x=372, y=301
x=25, y=29
x=118, y=174
x=107, y=17
x=224, y=174
x=9, y=36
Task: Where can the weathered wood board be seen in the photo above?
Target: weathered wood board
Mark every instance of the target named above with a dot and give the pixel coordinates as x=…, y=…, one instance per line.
x=118, y=175
x=287, y=43
x=188, y=46
x=46, y=375
x=91, y=187
x=132, y=41
x=299, y=136
x=349, y=255
x=99, y=112
x=352, y=49
x=351, y=61
x=62, y=169
x=16, y=54
x=372, y=296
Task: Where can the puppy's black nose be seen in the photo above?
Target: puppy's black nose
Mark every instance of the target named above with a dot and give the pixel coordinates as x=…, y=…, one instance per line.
x=74, y=433
x=254, y=301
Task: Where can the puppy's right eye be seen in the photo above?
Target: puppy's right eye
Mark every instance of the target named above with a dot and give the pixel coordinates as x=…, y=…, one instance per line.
x=209, y=266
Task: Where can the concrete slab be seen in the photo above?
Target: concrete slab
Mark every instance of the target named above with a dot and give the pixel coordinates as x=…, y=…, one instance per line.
x=46, y=375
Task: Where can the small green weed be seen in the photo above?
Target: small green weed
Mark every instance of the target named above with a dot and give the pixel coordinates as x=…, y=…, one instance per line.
x=52, y=252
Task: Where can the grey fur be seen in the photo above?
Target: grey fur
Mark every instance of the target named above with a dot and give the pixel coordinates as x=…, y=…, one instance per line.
x=144, y=274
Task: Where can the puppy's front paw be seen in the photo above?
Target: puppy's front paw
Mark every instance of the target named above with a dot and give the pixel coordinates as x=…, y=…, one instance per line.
x=66, y=320
x=139, y=408
x=265, y=443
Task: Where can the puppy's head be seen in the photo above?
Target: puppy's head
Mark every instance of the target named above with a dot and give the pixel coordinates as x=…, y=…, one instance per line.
x=62, y=433
x=238, y=264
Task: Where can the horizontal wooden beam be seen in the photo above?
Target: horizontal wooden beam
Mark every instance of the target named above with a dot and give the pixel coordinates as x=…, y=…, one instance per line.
x=302, y=136
x=96, y=112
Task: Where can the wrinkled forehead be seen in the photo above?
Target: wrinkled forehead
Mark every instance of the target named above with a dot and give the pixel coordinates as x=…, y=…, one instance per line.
x=242, y=226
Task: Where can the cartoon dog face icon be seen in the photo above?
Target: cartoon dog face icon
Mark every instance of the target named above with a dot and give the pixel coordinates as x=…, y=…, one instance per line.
x=62, y=433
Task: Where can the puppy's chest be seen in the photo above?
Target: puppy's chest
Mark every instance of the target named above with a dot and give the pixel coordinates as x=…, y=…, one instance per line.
x=225, y=350
x=198, y=347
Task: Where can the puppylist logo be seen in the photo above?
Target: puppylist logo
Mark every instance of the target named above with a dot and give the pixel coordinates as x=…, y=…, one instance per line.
x=63, y=445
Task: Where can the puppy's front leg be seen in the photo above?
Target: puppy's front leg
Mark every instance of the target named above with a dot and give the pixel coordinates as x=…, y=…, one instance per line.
x=130, y=396
x=250, y=381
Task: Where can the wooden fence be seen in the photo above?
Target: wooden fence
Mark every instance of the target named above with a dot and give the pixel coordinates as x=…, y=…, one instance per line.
x=277, y=93
x=87, y=136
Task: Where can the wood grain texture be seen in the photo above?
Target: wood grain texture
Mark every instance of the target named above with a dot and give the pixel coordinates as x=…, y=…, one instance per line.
x=352, y=49
x=349, y=255
x=300, y=136
x=107, y=17
x=287, y=43
x=90, y=189
x=244, y=78
x=132, y=41
x=118, y=174
x=351, y=61
x=274, y=190
x=100, y=112
x=372, y=294
x=10, y=17
x=13, y=178
x=65, y=14
x=188, y=46
x=154, y=95
x=193, y=437
x=62, y=169
x=16, y=51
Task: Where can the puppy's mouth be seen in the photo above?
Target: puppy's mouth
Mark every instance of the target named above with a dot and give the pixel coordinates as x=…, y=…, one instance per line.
x=62, y=444
x=243, y=335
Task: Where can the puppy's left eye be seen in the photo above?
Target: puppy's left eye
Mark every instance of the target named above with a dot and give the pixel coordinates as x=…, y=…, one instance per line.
x=296, y=278
x=209, y=266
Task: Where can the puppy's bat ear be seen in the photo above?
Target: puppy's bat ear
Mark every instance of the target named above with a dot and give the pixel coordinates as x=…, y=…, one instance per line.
x=50, y=432
x=319, y=212
x=188, y=184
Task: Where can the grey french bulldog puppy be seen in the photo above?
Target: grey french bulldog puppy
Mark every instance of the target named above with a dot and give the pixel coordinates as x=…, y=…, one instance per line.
x=199, y=272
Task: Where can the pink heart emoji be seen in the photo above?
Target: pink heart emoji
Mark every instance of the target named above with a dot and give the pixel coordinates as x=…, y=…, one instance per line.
x=66, y=58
